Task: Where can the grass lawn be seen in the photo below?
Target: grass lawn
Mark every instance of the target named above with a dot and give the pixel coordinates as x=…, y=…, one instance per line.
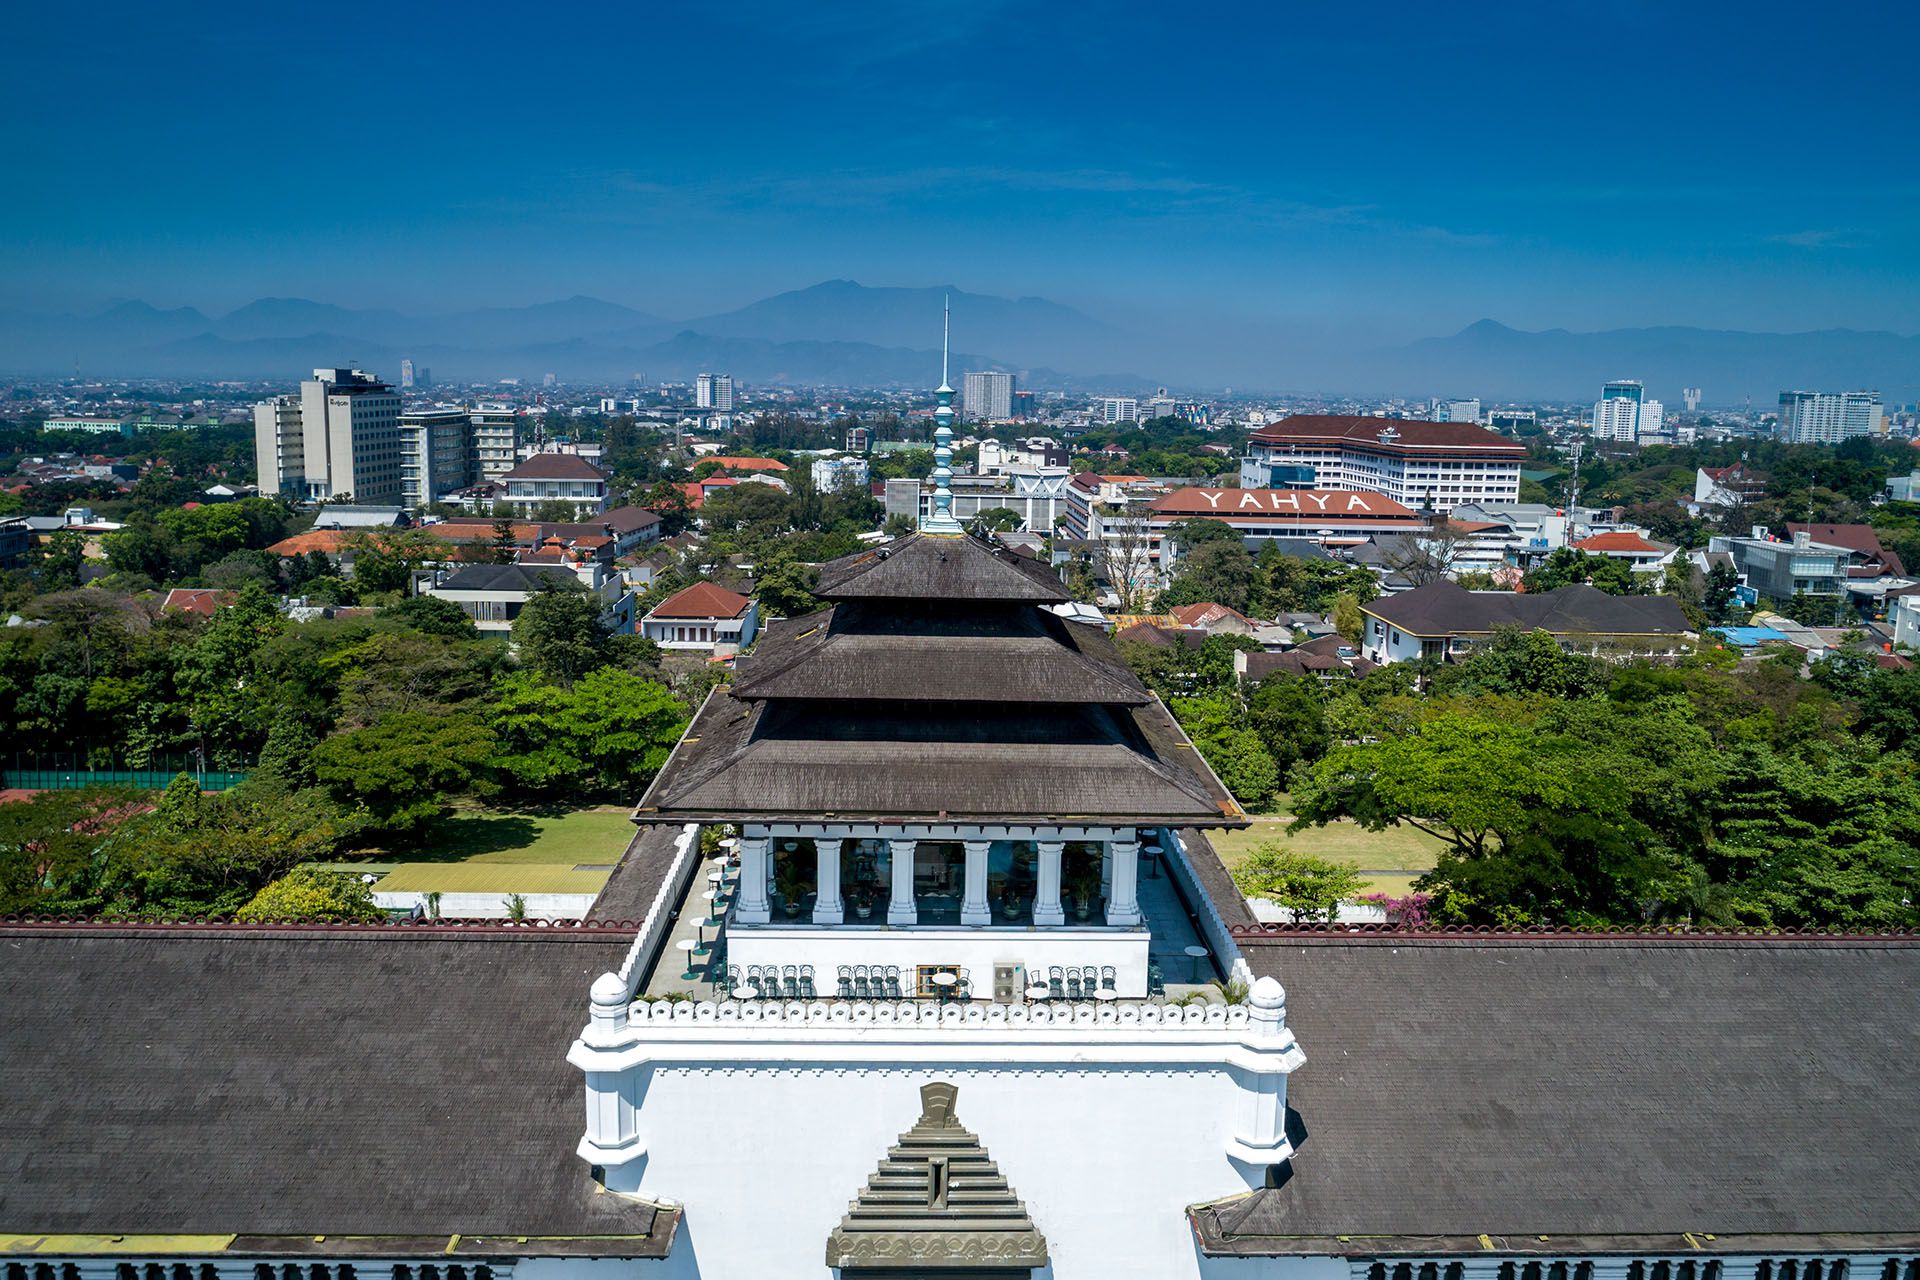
x=507, y=851
x=1391, y=858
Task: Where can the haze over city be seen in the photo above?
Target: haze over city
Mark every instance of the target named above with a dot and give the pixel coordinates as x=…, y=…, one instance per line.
x=1276, y=196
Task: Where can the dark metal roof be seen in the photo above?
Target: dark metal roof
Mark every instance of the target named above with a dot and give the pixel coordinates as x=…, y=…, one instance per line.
x=925, y=567
x=272, y=1083
x=1447, y=608
x=509, y=578
x=937, y=1202
x=1609, y=1094
x=978, y=654
x=901, y=762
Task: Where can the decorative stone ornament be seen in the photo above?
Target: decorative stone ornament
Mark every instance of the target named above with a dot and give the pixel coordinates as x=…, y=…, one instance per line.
x=938, y=1204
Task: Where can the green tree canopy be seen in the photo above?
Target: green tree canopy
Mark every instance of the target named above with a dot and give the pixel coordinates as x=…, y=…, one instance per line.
x=403, y=768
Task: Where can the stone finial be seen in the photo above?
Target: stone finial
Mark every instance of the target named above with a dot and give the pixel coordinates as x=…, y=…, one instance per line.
x=1267, y=1007
x=609, y=1002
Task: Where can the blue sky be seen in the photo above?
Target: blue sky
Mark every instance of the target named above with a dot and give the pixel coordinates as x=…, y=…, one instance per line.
x=1397, y=169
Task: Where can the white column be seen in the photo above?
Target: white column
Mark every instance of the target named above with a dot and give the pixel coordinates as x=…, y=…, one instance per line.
x=753, y=907
x=827, y=907
x=1106, y=868
x=973, y=907
x=1123, y=896
x=1046, y=904
x=900, y=908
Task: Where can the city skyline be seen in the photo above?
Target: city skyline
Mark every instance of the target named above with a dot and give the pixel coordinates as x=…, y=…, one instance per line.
x=1332, y=186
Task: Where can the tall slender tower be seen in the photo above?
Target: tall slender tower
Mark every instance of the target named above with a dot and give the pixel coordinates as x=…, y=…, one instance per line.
x=941, y=520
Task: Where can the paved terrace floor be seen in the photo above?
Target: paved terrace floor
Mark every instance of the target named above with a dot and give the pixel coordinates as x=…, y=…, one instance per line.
x=1170, y=926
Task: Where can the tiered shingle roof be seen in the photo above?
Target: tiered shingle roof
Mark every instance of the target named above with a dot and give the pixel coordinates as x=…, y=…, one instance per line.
x=936, y=689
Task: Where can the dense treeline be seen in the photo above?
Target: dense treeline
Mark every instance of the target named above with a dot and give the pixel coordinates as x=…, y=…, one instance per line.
x=357, y=733
x=1569, y=791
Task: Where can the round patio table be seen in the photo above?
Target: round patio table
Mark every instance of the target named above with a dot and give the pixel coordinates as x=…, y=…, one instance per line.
x=688, y=945
x=1196, y=954
x=1106, y=993
x=946, y=982
x=1039, y=991
x=745, y=992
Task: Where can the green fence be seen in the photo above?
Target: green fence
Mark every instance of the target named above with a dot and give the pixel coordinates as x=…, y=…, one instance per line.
x=44, y=775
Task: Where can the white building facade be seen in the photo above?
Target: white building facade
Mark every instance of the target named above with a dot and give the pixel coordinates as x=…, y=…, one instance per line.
x=987, y=396
x=1823, y=417
x=1421, y=465
x=338, y=438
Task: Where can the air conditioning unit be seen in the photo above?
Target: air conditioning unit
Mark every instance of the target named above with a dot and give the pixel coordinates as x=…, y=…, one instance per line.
x=1009, y=982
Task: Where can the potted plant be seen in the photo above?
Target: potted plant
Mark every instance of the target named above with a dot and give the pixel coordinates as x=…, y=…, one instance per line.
x=1084, y=883
x=862, y=904
x=792, y=888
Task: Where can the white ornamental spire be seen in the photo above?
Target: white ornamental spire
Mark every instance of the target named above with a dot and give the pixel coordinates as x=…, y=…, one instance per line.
x=940, y=519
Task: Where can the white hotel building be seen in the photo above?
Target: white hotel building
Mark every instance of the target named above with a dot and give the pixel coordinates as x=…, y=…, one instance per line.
x=1421, y=465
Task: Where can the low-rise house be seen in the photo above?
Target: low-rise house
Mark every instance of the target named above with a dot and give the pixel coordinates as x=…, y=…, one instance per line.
x=494, y=594
x=204, y=601
x=1445, y=620
x=1726, y=487
x=1641, y=554
x=1870, y=559
x=1782, y=570
x=732, y=462
x=556, y=477
x=1325, y=658
x=1214, y=619
x=704, y=618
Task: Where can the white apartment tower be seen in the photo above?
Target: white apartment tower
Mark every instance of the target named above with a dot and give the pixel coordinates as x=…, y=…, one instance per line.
x=1825, y=417
x=1456, y=411
x=987, y=397
x=436, y=454
x=1624, y=414
x=1119, y=409
x=339, y=437
x=714, y=391
x=496, y=441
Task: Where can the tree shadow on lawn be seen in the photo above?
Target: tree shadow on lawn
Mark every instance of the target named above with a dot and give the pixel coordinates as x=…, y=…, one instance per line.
x=461, y=836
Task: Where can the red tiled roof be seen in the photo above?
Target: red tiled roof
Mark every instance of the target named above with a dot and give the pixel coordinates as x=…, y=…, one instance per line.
x=1199, y=615
x=1283, y=505
x=1410, y=436
x=1603, y=543
x=696, y=490
x=328, y=540
x=200, y=600
x=734, y=463
x=701, y=600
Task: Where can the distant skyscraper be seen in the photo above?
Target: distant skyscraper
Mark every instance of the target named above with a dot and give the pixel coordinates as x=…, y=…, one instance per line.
x=1023, y=402
x=547, y=380
x=1825, y=417
x=1691, y=395
x=714, y=391
x=1624, y=414
x=987, y=397
x=1120, y=409
x=339, y=437
x=1456, y=411
x=423, y=377
x=1161, y=405
x=406, y=374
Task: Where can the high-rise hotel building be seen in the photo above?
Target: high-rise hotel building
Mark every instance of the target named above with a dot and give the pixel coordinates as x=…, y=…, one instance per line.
x=1421, y=465
x=1826, y=417
x=339, y=437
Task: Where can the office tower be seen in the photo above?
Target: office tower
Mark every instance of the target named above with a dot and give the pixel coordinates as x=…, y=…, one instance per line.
x=1161, y=405
x=546, y=380
x=423, y=377
x=1512, y=421
x=1023, y=402
x=987, y=397
x=1456, y=411
x=1120, y=409
x=1826, y=417
x=714, y=391
x=1624, y=414
x=496, y=440
x=340, y=437
x=436, y=454
x=406, y=375
x=1691, y=395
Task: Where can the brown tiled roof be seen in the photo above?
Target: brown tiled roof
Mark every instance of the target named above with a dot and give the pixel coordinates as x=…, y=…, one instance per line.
x=235, y=1111
x=1854, y=537
x=1610, y=1087
x=922, y=567
x=329, y=541
x=1412, y=437
x=701, y=600
x=1446, y=608
x=555, y=466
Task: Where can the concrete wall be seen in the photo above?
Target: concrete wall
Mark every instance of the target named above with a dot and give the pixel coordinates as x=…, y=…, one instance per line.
x=826, y=947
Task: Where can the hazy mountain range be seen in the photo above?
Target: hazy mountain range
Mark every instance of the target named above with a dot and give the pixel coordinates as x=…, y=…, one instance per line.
x=843, y=333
